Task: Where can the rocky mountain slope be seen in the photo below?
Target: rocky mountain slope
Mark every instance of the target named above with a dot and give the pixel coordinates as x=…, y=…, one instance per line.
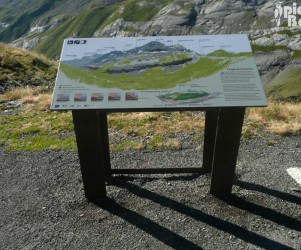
x=42, y=25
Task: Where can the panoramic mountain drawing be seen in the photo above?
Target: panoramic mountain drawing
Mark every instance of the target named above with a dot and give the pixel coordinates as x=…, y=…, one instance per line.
x=151, y=66
x=156, y=72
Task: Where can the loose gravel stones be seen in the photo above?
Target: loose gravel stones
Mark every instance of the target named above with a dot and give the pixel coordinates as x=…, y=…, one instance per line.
x=43, y=206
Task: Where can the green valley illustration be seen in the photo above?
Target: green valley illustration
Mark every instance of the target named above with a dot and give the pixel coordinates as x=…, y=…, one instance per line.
x=148, y=72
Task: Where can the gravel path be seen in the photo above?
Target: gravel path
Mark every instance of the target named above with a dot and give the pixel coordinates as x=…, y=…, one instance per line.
x=43, y=205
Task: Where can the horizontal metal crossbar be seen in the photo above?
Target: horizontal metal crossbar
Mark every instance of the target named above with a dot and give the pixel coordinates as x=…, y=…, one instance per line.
x=157, y=170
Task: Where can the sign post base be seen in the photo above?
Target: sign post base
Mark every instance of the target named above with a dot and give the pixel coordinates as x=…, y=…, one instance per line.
x=222, y=136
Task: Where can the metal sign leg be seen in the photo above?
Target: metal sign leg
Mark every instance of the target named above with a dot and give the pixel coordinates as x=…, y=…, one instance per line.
x=93, y=150
x=229, y=126
x=209, y=139
x=104, y=140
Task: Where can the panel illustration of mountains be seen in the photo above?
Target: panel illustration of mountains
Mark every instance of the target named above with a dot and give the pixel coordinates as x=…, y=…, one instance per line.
x=154, y=65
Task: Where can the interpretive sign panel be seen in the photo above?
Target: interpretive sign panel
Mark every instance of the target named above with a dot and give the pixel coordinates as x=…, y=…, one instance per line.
x=157, y=72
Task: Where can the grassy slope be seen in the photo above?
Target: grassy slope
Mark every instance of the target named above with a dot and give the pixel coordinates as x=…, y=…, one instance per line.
x=286, y=85
x=270, y=48
x=92, y=19
x=133, y=12
x=22, y=68
x=18, y=7
x=82, y=25
x=20, y=24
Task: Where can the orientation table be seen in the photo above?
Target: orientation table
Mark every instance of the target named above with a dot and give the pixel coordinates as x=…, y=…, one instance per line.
x=212, y=73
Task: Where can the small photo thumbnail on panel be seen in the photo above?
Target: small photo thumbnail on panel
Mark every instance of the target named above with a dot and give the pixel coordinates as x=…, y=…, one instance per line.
x=97, y=97
x=63, y=97
x=114, y=96
x=80, y=97
x=131, y=96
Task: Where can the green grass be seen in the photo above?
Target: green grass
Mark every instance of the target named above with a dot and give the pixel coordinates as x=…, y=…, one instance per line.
x=286, y=86
x=281, y=32
x=296, y=54
x=31, y=129
x=287, y=32
x=22, y=21
x=269, y=48
x=21, y=68
x=36, y=130
x=135, y=12
x=126, y=145
x=161, y=143
x=82, y=25
x=154, y=78
x=85, y=24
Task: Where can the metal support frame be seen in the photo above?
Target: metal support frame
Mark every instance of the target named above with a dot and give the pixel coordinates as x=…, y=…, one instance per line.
x=221, y=143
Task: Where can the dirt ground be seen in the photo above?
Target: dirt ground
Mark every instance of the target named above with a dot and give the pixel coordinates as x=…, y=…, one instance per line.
x=43, y=204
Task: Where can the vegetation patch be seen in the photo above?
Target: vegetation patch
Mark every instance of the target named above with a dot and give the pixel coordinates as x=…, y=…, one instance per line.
x=139, y=11
x=21, y=24
x=35, y=130
x=286, y=86
x=126, y=145
x=92, y=19
x=281, y=118
x=82, y=25
x=268, y=48
x=296, y=54
x=33, y=127
x=20, y=68
x=287, y=32
x=145, y=124
x=161, y=143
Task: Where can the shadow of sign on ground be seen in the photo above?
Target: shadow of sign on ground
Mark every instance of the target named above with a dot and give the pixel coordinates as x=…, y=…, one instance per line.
x=177, y=241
